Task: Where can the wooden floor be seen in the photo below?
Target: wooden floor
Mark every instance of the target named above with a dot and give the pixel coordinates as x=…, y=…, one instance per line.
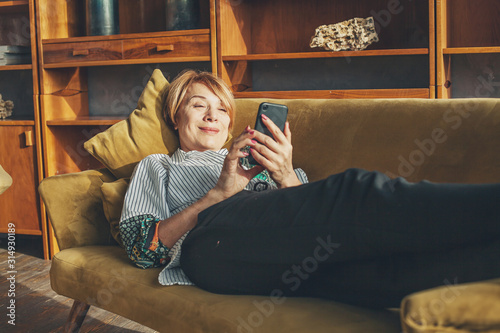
x=38, y=307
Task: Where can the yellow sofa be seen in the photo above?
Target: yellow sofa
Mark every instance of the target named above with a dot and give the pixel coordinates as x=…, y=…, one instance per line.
x=437, y=140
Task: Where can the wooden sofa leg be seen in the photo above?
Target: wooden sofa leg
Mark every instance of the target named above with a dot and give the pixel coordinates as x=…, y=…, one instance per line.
x=76, y=317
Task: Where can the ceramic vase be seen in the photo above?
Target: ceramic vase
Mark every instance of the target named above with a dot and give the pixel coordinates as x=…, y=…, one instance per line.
x=102, y=17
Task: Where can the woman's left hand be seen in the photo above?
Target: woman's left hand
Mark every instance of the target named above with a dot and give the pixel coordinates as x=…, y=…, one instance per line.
x=275, y=154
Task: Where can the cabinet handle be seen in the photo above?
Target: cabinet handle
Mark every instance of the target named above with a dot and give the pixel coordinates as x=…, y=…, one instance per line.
x=28, y=138
x=164, y=48
x=77, y=53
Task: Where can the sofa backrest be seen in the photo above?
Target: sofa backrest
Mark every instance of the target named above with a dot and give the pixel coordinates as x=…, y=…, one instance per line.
x=454, y=140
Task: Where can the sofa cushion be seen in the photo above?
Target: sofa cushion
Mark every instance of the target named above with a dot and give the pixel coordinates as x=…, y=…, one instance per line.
x=462, y=308
x=144, y=132
x=74, y=207
x=113, y=194
x=105, y=277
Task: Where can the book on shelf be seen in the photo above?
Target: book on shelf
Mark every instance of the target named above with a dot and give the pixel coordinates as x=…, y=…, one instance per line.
x=15, y=55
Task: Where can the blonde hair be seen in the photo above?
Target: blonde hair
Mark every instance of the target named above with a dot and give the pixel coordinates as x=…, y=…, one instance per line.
x=178, y=88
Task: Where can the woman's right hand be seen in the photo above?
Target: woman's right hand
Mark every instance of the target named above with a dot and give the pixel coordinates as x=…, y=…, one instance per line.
x=233, y=177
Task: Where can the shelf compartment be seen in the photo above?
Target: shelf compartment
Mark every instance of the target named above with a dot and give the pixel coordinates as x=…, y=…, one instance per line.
x=409, y=71
x=470, y=23
x=329, y=94
x=65, y=152
x=473, y=75
x=280, y=26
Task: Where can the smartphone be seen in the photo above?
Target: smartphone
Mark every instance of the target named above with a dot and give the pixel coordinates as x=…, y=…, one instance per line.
x=277, y=113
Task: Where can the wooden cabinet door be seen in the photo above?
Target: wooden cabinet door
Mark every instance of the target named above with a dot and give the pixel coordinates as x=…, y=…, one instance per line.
x=19, y=203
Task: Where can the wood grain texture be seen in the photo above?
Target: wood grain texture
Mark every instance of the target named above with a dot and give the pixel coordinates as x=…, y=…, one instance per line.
x=15, y=67
x=139, y=16
x=82, y=52
x=472, y=50
x=40, y=309
x=188, y=47
x=473, y=23
x=167, y=47
x=65, y=153
x=19, y=204
x=9, y=7
x=76, y=317
x=58, y=18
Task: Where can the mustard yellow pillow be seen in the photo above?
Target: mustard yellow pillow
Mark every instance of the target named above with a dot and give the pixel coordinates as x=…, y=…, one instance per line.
x=145, y=132
x=454, y=308
x=112, y=201
x=5, y=180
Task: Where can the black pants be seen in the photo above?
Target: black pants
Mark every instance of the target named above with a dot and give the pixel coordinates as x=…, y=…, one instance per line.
x=355, y=237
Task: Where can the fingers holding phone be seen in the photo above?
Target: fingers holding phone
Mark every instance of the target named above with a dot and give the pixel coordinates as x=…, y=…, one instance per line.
x=273, y=147
x=270, y=123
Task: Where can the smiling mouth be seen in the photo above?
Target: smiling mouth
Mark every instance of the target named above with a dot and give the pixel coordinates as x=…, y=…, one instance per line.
x=210, y=130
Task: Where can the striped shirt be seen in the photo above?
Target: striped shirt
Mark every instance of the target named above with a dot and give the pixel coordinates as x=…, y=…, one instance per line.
x=163, y=186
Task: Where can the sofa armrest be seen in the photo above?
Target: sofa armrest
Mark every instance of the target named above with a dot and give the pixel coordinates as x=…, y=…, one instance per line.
x=467, y=307
x=74, y=206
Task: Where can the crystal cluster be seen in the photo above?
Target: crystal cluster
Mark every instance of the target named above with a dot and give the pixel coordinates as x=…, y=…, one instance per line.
x=5, y=108
x=352, y=35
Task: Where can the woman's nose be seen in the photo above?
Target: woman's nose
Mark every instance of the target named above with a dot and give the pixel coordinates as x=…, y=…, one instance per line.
x=211, y=114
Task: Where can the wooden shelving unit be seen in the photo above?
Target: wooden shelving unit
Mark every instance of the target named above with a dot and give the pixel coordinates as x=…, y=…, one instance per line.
x=468, y=48
x=72, y=65
x=20, y=140
x=259, y=38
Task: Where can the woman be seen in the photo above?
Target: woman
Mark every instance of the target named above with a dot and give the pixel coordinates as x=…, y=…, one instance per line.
x=356, y=237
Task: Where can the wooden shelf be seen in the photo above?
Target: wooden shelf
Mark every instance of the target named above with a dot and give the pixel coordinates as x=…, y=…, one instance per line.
x=16, y=67
x=328, y=94
x=340, y=54
x=14, y=6
x=85, y=121
x=14, y=3
x=14, y=122
x=471, y=50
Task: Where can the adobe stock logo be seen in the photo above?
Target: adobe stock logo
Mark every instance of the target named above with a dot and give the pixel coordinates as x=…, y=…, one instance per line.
x=293, y=278
x=452, y=119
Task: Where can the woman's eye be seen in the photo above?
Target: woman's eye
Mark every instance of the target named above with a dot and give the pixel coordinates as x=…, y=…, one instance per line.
x=223, y=110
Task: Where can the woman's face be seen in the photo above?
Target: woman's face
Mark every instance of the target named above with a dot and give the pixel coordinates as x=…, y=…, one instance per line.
x=202, y=120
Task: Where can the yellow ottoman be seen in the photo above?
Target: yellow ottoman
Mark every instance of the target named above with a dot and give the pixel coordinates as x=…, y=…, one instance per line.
x=5, y=180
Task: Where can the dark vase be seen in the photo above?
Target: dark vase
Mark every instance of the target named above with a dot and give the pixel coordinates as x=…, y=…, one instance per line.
x=102, y=17
x=183, y=14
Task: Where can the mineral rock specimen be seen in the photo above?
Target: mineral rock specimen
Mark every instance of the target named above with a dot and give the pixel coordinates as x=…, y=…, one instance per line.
x=5, y=108
x=352, y=35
